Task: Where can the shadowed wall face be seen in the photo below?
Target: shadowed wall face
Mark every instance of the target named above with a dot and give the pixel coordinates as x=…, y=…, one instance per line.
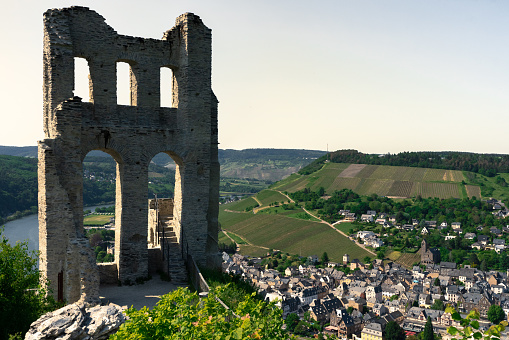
x=132, y=135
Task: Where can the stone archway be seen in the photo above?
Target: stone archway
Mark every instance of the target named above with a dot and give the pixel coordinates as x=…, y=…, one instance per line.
x=131, y=134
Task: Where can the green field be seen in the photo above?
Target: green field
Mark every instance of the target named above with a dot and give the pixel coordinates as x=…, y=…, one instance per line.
x=227, y=219
x=270, y=196
x=295, y=236
x=96, y=219
x=236, y=238
x=392, y=181
x=345, y=226
x=222, y=238
x=242, y=204
x=252, y=250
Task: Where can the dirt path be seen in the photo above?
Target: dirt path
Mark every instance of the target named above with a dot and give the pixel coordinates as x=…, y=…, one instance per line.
x=339, y=231
x=282, y=193
x=233, y=211
x=237, y=248
x=243, y=239
x=307, y=212
x=330, y=225
x=257, y=200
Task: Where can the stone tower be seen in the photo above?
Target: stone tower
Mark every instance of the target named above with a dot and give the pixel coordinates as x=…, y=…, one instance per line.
x=429, y=255
x=132, y=135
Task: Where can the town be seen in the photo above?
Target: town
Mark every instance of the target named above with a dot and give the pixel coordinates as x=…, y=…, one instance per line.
x=356, y=299
x=349, y=304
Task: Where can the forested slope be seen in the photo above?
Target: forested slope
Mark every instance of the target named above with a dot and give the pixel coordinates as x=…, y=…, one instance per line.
x=484, y=164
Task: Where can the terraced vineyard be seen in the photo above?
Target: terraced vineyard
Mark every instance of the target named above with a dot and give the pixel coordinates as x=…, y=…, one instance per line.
x=392, y=181
x=243, y=204
x=295, y=236
x=473, y=190
x=266, y=197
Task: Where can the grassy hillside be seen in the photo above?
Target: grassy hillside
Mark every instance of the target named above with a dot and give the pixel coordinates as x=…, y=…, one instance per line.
x=292, y=235
x=391, y=181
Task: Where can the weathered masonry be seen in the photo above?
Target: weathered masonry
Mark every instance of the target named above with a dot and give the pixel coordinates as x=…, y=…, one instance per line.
x=132, y=135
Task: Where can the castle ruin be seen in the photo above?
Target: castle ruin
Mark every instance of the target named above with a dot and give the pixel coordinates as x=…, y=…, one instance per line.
x=132, y=134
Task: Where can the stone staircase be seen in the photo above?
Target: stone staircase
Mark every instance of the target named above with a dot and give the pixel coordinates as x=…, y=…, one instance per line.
x=173, y=261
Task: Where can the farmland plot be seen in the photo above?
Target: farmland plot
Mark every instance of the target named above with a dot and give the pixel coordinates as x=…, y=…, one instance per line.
x=242, y=204
x=365, y=186
x=385, y=172
x=440, y=190
x=352, y=170
x=418, y=175
x=456, y=176
x=296, y=236
x=367, y=171
x=381, y=186
x=345, y=183
x=327, y=175
x=401, y=189
x=296, y=185
x=400, y=173
x=270, y=196
x=473, y=190
x=434, y=175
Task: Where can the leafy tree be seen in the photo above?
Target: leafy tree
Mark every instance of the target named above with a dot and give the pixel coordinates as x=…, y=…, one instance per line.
x=470, y=326
x=394, y=331
x=484, y=266
x=367, y=259
x=292, y=320
x=472, y=258
x=428, y=333
x=301, y=328
x=23, y=294
x=182, y=315
x=437, y=282
x=438, y=305
x=349, y=310
x=325, y=257
x=496, y=314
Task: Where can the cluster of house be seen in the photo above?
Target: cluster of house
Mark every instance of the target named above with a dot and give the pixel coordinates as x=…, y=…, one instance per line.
x=387, y=292
x=93, y=177
x=483, y=242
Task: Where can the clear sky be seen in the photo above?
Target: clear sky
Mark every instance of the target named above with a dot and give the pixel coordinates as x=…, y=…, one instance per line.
x=372, y=75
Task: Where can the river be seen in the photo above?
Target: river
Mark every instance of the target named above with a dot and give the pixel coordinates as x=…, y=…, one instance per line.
x=27, y=228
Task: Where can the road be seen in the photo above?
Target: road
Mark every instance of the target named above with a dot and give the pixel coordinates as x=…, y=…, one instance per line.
x=330, y=225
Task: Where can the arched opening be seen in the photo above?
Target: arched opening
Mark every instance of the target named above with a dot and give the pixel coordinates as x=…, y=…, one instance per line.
x=82, y=81
x=165, y=206
x=161, y=188
x=99, y=190
x=125, y=95
x=166, y=84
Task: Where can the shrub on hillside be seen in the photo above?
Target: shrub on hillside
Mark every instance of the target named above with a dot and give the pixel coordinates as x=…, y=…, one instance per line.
x=23, y=295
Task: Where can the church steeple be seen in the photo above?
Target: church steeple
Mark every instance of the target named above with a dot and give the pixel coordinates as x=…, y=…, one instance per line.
x=424, y=246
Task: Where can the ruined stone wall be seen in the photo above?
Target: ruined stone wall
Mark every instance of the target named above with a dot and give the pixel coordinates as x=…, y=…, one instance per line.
x=132, y=135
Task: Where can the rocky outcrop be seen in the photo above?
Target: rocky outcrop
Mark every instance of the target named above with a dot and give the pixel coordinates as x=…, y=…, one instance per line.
x=77, y=322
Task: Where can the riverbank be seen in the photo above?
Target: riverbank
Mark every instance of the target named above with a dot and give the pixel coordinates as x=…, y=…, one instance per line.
x=33, y=210
x=27, y=228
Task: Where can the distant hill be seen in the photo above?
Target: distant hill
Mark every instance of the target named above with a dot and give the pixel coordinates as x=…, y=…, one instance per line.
x=265, y=164
x=18, y=165
x=484, y=164
x=383, y=180
x=262, y=164
x=31, y=151
x=20, y=151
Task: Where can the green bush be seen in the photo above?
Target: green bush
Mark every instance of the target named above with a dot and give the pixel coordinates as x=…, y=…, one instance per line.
x=183, y=315
x=24, y=297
